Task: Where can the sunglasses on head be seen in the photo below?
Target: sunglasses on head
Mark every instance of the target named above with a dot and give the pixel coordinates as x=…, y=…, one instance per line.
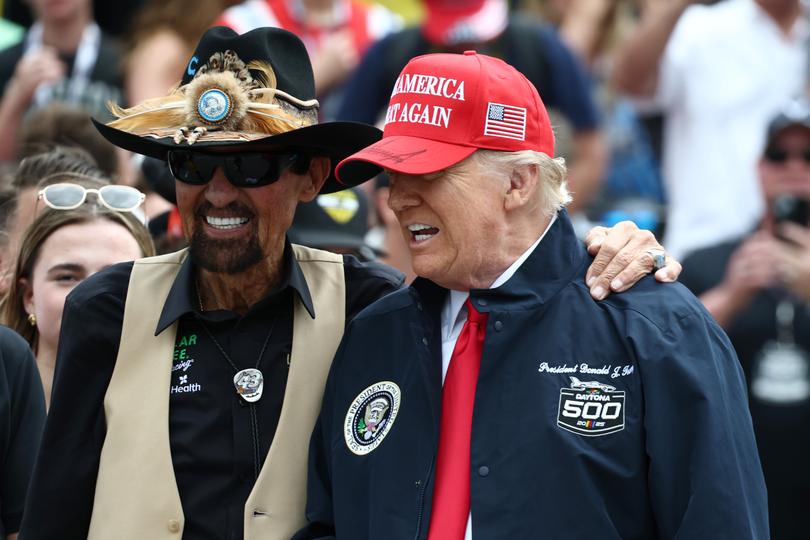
x=66, y=196
x=242, y=170
x=780, y=155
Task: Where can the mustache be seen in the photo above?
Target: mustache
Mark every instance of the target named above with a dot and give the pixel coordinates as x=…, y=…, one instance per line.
x=235, y=207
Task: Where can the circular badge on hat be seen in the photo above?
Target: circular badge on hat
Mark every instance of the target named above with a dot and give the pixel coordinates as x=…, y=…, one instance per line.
x=370, y=417
x=214, y=106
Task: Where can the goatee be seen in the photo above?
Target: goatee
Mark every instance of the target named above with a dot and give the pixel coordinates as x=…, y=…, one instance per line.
x=231, y=256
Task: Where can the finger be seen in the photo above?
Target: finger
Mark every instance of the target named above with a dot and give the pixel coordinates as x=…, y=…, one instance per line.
x=629, y=266
x=625, y=279
x=795, y=233
x=670, y=272
x=635, y=257
x=603, y=281
x=612, y=243
x=594, y=239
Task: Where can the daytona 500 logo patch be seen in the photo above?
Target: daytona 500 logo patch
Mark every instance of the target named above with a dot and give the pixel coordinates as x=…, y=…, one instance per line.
x=370, y=417
x=591, y=408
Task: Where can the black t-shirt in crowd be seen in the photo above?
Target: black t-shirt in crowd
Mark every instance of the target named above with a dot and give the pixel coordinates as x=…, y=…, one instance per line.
x=210, y=428
x=105, y=79
x=22, y=416
x=780, y=428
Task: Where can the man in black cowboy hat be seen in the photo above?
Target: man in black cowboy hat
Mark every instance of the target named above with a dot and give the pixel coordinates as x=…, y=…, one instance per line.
x=188, y=384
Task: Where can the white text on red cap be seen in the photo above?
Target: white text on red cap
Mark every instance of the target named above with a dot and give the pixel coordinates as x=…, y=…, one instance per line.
x=420, y=113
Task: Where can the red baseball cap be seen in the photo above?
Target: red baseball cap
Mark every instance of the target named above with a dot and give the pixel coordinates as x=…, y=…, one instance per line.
x=444, y=107
x=451, y=22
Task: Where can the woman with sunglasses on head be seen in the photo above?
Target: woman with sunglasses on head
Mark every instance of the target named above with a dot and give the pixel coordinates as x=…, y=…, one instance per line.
x=80, y=232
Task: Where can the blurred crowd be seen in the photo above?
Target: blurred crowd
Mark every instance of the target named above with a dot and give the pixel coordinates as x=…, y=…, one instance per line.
x=689, y=117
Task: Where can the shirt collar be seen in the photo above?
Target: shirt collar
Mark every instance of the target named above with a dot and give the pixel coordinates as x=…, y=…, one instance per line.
x=182, y=298
x=455, y=300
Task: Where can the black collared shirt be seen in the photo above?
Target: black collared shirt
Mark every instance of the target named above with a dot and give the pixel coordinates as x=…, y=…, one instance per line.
x=216, y=450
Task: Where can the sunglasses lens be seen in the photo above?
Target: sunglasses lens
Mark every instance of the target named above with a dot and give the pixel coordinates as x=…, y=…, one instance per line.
x=63, y=196
x=192, y=168
x=776, y=155
x=251, y=170
x=120, y=197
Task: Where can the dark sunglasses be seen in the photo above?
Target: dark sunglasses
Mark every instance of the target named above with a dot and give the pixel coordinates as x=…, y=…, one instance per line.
x=780, y=155
x=242, y=170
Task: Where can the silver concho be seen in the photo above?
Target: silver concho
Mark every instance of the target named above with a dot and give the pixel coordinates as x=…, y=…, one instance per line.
x=249, y=384
x=214, y=106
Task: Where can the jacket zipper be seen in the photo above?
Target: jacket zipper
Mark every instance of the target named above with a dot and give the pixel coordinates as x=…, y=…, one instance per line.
x=421, y=500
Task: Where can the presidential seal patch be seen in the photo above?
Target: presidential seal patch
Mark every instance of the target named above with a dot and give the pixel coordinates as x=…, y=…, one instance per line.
x=591, y=408
x=370, y=417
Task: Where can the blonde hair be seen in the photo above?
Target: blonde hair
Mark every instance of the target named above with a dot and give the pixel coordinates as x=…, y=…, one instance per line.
x=552, y=187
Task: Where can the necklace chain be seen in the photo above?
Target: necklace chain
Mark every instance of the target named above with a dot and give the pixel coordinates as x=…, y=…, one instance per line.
x=254, y=422
x=228, y=358
x=221, y=349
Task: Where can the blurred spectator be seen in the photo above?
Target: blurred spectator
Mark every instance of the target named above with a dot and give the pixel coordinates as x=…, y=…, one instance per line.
x=7, y=206
x=336, y=33
x=632, y=187
x=533, y=47
x=22, y=417
x=60, y=124
x=336, y=222
x=719, y=73
x=758, y=289
x=59, y=250
x=112, y=17
x=64, y=57
x=161, y=41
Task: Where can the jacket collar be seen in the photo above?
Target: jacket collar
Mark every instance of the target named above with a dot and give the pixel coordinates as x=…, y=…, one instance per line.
x=182, y=298
x=547, y=270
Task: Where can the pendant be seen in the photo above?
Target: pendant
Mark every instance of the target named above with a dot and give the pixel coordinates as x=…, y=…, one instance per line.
x=249, y=384
x=781, y=374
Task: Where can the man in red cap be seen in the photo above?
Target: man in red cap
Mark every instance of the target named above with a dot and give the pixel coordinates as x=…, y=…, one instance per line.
x=494, y=398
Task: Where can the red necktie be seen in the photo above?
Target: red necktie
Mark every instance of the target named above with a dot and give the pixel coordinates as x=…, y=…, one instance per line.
x=451, y=497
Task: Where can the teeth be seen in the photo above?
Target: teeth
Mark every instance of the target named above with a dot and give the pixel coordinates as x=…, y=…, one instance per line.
x=418, y=227
x=227, y=222
x=421, y=237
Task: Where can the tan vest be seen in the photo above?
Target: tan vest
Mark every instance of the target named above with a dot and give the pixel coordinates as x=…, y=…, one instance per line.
x=136, y=492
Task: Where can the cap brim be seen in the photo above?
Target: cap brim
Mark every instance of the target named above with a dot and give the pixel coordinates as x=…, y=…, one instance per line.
x=335, y=140
x=401, y=154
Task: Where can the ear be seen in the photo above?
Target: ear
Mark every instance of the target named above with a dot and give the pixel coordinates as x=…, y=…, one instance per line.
x=27, y=293
x=319, y=168
x=522, y=186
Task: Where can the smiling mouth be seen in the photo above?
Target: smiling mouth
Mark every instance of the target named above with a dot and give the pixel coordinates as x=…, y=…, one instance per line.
x=421, y=232
x=226, y=223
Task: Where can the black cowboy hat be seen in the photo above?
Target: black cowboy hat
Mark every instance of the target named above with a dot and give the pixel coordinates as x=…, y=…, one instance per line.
x=240, y=93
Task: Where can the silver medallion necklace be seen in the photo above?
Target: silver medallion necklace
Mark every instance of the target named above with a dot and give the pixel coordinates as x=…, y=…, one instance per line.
x=249, y=383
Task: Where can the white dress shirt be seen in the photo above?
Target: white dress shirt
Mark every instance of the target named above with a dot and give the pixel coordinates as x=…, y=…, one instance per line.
x=726, y=71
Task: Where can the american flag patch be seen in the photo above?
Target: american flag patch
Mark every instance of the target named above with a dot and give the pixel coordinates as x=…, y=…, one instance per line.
x=506, y=121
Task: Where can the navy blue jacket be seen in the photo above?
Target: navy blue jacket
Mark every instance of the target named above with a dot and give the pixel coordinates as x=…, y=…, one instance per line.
x=623, y=419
